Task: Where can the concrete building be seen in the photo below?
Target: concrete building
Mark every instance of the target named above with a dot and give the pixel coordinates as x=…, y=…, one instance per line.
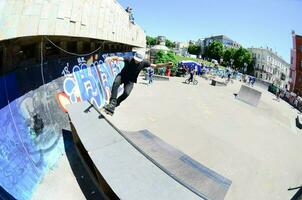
x=270, y=67
x=226, y=41
x=296, y=64
x=181, y=48
x=69, y=24
x=160, y=45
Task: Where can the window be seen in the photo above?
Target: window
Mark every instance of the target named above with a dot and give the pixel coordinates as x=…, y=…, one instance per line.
x=301, y=48
x=301, y=63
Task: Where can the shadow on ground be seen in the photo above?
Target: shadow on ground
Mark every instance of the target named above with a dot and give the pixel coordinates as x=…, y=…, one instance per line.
x=85, y=180
x=5, y=195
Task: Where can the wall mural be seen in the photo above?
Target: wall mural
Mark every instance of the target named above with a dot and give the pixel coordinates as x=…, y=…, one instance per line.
x=32, y=113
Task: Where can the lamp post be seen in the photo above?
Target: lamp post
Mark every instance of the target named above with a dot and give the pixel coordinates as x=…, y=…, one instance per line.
x=245, y=67
x=232, y=61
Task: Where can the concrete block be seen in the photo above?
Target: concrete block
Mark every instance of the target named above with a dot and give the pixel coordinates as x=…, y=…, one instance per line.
x=17, y=7
x=43, y=26
x=10, y=26
x=28, y=25
x=62, y=27
x=72, y=28
x=31, y=9
x=75, y=12
x=249, y=95
x=65, y=7
x=85, y=15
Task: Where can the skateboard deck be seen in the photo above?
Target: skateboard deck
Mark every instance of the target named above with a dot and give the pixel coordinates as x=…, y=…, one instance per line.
x=102, y=112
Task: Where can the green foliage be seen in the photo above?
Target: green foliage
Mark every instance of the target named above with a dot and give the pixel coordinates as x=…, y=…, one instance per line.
x=162, y=57
x=228, y=54
x=214, y=50
x=170, y=44
x=150, y=40
x=242, y=56
x=194, y=49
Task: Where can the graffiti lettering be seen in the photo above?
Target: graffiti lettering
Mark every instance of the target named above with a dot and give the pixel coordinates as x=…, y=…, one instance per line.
x=92, y=82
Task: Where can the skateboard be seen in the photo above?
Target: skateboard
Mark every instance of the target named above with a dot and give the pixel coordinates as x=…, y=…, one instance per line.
x=99, y=111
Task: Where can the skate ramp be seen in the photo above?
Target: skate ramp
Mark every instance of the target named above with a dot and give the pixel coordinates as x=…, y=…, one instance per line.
x=138, y=165
x=216, y=82
x=129, y=174
x=249, y=95
x=189, y=172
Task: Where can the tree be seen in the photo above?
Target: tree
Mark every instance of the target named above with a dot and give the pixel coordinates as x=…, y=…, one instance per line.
x=150, y=40
x=214, y=50
x=162, y=57
x=228, y=54
x=194, y=49
x=169, y=44
x=242, y=56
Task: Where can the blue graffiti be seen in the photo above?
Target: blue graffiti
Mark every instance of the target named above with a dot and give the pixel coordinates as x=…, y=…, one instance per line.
x=92, y=82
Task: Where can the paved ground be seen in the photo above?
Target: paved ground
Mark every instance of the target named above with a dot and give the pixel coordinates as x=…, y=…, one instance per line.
x=259, y=149
x=59, y=183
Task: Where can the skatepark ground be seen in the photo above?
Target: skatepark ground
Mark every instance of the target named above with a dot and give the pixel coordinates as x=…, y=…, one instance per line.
x=257, y=148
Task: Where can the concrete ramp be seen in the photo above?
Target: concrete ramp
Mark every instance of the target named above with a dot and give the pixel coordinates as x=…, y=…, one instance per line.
x=127, y=171
x=218, y=83
x=190, y=173
x=249, y=95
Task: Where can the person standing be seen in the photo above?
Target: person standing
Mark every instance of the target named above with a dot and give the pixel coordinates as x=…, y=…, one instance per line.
x=150, y=74
x=129, y=11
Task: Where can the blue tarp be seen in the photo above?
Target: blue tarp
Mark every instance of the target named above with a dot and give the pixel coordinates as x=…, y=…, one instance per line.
x=189, y=65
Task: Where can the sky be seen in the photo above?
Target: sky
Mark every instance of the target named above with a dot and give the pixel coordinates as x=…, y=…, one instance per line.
x=252, y=23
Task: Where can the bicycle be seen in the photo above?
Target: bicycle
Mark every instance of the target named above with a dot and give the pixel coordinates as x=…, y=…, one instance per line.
x=188, y=81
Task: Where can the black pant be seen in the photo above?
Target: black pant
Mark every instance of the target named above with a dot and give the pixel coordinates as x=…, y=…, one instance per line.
x=128, y=86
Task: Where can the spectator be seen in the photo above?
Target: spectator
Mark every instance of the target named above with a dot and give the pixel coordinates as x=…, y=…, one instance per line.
x=253, y=81
x=278, y=92
x=129, y=11
x=150, y=74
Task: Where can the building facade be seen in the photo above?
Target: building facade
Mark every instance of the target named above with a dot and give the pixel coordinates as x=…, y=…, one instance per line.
x=181, y=48
x=226, y=41
x=296, y=64
x=269, y=67
x=160, y=45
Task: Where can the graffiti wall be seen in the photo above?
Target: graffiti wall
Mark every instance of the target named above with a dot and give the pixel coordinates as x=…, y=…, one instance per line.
x=32, y=105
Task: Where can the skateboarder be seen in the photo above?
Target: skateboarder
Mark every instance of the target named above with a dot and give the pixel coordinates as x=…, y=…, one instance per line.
x=128, y=76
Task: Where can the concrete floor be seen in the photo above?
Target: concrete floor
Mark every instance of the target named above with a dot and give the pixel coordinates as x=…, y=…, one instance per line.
x=258, y=148
x=59, y=183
